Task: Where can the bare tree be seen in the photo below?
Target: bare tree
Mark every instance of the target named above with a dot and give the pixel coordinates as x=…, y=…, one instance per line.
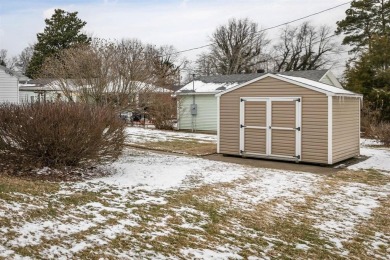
x=24, y=58
x=237, y=47
x=123, y=73
x=10, y=63
x=205, y=65
x=304, y=47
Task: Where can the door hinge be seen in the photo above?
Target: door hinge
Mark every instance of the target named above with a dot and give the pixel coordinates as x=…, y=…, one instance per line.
x=298, y=157
x=241, y=151
x=298, y=128
x=298, y=100
x=242, y=126
x=242, y=100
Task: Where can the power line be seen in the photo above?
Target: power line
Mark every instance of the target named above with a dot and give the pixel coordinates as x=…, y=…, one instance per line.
x=266, y=29
x=279, y=56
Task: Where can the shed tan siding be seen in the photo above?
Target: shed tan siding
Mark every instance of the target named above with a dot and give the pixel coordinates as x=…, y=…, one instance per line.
x=346, y=128
x=314, y=117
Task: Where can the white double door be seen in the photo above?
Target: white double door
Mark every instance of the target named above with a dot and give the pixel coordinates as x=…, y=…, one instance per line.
x=271, y=127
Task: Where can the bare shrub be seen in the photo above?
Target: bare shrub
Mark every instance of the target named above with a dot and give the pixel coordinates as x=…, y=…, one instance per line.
x=381, y=132
x=59, y=134
x=162, y=111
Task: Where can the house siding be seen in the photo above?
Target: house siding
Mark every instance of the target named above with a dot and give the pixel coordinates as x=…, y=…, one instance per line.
x=8, y=88
x=346, y=128
x=326, y=80
x=206, y=118
x=314, y=143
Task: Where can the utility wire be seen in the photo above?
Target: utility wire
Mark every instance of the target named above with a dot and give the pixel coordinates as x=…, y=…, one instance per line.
x=265, y=29
x=280, y=56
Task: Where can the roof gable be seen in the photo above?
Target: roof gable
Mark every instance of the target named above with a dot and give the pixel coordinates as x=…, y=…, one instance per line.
x=303, y=82
x=219, y=83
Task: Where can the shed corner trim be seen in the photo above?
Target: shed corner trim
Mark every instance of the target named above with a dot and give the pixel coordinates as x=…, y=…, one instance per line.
x=330, y=129
x=218, y=124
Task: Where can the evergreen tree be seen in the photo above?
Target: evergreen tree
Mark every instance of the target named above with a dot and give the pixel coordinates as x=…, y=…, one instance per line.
x=367, y=28
x=61, y=32
x=365, y=19
x=370, y=75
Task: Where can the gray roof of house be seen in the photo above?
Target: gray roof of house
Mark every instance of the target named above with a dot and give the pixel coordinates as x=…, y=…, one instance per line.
x=315, y=75
x=41, y=82
x=17, y=74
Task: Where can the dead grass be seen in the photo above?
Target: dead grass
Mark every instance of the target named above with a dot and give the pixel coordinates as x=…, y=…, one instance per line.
x=188, y=146
x=369, y=177
x=9, y=184
x=199, y=218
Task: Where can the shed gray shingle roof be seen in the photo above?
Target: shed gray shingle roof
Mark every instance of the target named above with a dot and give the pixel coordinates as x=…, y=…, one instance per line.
x=315, y=75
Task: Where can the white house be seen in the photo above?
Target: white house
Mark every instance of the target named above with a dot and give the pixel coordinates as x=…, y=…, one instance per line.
x=38, y=90
x=9, y=83
x=197, y=104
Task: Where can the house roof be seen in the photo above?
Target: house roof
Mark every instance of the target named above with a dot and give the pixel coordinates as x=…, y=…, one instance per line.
x=303, y=82
x=218, y=83
x=17, y=74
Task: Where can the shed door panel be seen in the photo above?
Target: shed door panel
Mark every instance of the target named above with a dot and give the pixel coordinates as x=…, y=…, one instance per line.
x=255, y=121
x=283, y=143
x=283, y=131
x=283, y=114
x=255, y=141
x=255, y=114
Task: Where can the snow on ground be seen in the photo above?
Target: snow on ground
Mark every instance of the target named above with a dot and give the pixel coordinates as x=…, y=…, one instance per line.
x=142, y=135
x=152, y=171
x=379, y=158
x=338, y=213
x=147, y=179
x=269, y=185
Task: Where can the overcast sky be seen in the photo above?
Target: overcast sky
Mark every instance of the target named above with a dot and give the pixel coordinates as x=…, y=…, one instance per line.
x=182, y=23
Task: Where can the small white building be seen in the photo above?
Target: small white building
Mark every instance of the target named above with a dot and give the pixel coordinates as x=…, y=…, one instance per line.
x=197, y=104
x=42, y=90
x=9, y=83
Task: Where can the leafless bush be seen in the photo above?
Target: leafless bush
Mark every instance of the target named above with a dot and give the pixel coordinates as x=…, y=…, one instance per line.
x=59, y=134
x=162, y=111
x=381, y=132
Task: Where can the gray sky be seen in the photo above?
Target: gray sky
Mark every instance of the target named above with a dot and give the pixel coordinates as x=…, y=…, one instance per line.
x=184, y=24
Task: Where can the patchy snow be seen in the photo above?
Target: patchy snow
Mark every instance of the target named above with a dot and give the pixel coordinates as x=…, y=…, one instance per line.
x=137, y=135
x=218, y=253
x=202, y=87
x=146, y=180
x=379, y=158
x=338, y=213
x=302, y=247
x=267, y=185
x=152, y=171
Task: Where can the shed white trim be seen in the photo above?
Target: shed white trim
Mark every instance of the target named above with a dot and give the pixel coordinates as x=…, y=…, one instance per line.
x=218, y=124
x=268, y=126
x=306, y=83
x=241, y=129
x=330, y=130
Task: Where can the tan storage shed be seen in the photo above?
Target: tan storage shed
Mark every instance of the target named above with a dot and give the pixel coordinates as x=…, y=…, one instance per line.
x=289, y=118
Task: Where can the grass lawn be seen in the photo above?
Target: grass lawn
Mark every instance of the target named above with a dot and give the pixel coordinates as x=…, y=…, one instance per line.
x=166, y=206
x=216, y=209
x=171, y=141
